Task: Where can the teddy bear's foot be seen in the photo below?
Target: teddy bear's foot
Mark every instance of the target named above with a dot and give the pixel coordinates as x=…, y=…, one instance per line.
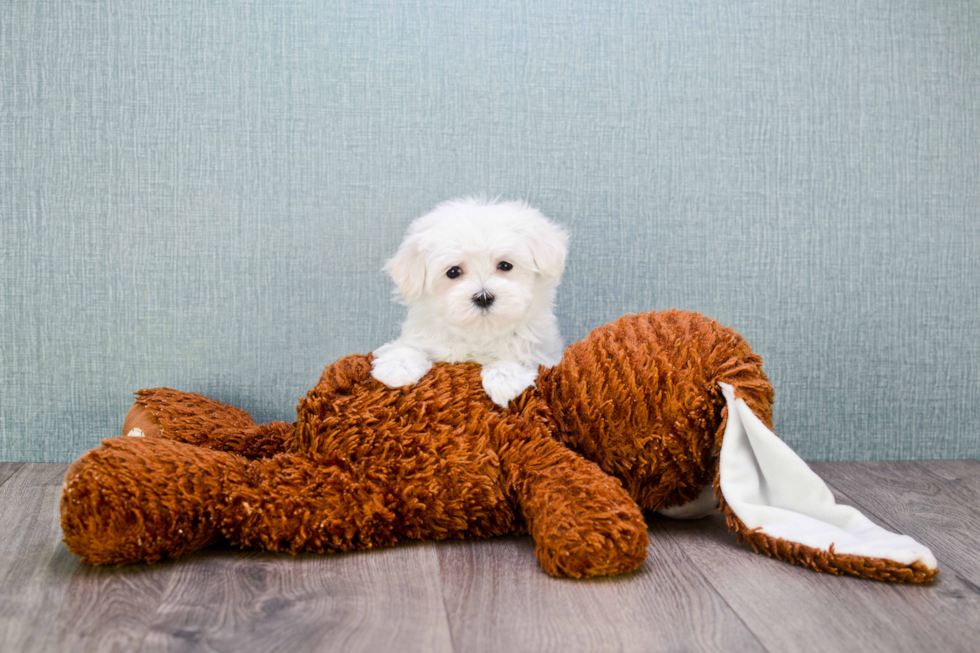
x=579, y=554
x=141, y=423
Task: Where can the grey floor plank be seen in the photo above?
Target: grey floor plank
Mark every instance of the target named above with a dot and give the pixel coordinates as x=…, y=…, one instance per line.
x=960, y=473
x=789, y=608
x=216, y=600
x=108, y=608
x=7, y=470
x=935, y=502
x=499, y=599
x=34, y=564
x=698, y=590
x=229, y=600
x=63, y=604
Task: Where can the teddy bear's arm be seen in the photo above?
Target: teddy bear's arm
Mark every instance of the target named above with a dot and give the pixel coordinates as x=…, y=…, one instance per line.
x=583, y=522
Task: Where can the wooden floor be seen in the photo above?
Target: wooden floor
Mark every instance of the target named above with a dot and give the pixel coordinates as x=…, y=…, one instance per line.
x=698, y=590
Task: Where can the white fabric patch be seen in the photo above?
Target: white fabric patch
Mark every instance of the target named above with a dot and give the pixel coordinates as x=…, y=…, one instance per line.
x=704, y=505
x=135, y=433
x=769, y=487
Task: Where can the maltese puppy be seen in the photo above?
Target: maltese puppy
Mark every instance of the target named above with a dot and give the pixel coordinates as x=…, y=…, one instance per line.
x=479, y=279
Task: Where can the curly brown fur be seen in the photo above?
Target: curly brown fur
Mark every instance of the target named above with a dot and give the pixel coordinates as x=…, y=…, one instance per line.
x=369, y=466
x=631, y=418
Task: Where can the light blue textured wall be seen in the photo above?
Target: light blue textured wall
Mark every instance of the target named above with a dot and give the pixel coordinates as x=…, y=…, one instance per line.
x=201, y=195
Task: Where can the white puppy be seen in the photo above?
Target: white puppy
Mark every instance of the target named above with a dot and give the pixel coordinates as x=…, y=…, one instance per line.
x=479, y=279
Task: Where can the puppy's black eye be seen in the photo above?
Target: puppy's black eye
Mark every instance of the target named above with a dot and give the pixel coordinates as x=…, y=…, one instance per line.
x=504, y=266
x=454, y=272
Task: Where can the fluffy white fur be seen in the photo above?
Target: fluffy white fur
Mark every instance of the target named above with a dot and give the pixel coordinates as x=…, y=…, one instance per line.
x=511, y=336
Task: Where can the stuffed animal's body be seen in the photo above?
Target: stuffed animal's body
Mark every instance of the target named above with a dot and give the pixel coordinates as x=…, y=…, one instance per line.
x=631, y=419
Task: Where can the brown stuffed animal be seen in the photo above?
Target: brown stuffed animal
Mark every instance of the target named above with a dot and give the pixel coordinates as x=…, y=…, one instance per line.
x=633, y=418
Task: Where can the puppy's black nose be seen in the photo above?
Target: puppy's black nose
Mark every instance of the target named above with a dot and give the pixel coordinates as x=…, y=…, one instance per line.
x=483, y=299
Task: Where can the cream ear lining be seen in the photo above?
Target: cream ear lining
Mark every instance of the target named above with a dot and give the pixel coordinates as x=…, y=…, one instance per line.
x=770, y=488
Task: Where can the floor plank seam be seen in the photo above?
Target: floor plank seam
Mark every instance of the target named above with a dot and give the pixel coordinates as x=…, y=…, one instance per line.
x=939, y=479
x=171, y=579
x=17, y=467
x=445, y=608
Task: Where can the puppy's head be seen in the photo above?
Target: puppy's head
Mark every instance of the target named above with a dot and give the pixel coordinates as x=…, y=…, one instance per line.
x=480, y=265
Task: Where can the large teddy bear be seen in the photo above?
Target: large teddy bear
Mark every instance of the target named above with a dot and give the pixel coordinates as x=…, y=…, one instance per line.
x=661, y=411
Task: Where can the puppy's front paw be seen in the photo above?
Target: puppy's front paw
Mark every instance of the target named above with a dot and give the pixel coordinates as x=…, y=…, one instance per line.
x=399, y=366
x=504, y=380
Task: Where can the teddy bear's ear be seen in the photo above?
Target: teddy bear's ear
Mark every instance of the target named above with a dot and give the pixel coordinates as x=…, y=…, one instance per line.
x=407, y=268
x=785, y=510
x=548, y=243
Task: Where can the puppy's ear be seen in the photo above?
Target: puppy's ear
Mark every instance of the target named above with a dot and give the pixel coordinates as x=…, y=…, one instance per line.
x=407, y=268
x=549, y=246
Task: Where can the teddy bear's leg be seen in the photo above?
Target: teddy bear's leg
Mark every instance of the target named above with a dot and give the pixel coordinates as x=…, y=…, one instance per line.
x=143, y=499
x=195, y=419
x=259, y=441
x=181, y=416
x=296, y=503
x=583, y=522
